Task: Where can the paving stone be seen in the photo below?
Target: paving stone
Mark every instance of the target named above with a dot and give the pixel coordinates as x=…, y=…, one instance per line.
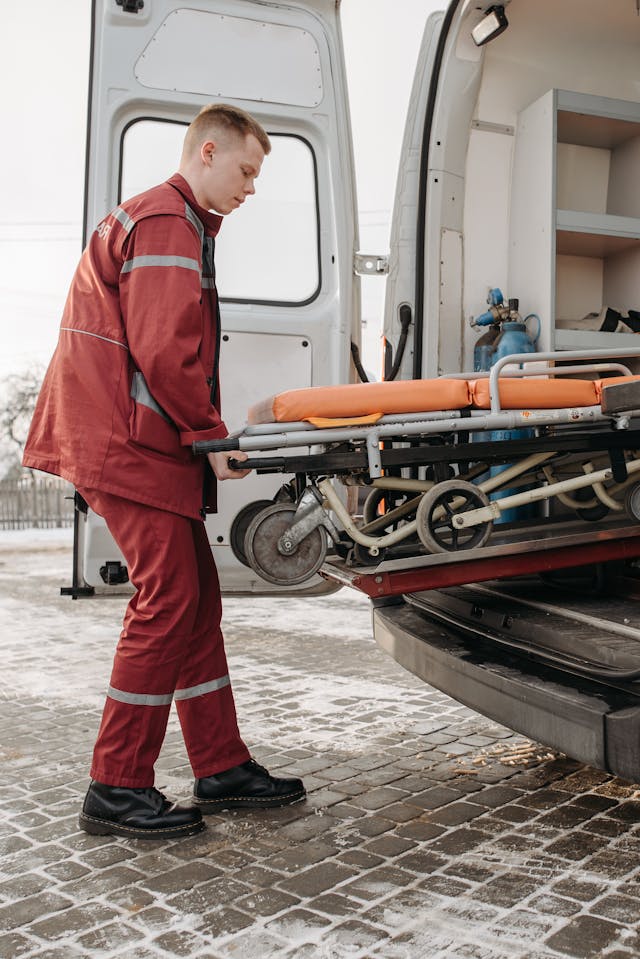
x=378, y=882
x=203, y=897
x=13, y=944
x=444, y=885
x=402, y=812
x=381, y=797
x=506, y=890
x=19, y=887
x=72, y=921
x=63, y=953
x=181, y=943
x=576, y=846
x=456, y=813
x=24, y=911
x=353, y=934
x=304, y=854
x=131, y=899
x=261, y=943
x=107, y=855
x=225, y=921
x=300, y=925
x=419, y=830
x=117, y=936
x=67, y=870
x=609, y=862
x=266, y=902
x=334, y=904
x=345, y=810
x=184, y=877
x=584, y=937
x=318, y=878
x=468, y=870
x=618, y=908
x=581, y=889
x=374, y=825
x=390, y=846
x=457, y=841
x=360, y=859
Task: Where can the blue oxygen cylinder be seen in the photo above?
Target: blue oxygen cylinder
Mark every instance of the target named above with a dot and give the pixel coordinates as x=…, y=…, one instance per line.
x=513, y=338
x=507, y=334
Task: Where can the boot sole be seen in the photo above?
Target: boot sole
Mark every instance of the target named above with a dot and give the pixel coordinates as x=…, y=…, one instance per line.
x=208, y=806
x=102, y=827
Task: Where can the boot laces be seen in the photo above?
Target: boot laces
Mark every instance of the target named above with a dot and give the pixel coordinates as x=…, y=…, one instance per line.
x=155, y=798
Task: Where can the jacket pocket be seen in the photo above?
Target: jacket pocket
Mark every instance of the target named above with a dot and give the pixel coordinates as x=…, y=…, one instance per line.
x=149, y=425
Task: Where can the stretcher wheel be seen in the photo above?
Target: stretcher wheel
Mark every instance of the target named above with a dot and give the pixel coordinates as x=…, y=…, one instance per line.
x=240, y=526
x=591, y=513
x=261, y=547
x=435, y=513
x=391, y=499
x=632, y=501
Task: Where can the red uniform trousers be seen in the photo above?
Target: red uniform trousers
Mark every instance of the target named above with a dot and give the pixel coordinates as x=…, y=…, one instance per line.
x=171, y=647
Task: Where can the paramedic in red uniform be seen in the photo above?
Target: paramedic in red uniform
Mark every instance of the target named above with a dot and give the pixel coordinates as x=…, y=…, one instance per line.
x=133, y=382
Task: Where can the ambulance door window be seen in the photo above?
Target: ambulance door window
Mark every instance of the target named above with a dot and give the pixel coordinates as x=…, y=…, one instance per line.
x=269, y=249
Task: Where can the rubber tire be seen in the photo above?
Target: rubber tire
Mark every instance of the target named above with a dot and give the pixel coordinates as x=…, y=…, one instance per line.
x=632, y=502
x=443, y=494
x=240, y=525
x=261, y=548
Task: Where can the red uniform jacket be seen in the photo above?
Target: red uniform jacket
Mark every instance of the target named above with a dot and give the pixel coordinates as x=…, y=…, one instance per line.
x=129, y=385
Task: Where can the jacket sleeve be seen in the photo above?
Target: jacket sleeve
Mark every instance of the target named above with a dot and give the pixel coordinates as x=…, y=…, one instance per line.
x=160, y=296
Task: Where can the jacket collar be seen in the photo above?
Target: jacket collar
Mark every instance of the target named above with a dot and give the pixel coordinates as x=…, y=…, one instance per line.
x=211, y=221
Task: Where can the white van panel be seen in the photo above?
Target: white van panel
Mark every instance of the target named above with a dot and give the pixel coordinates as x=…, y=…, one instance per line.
x=279, y=64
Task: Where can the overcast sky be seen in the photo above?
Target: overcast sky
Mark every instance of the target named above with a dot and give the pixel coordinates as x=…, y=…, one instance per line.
x=44, y=59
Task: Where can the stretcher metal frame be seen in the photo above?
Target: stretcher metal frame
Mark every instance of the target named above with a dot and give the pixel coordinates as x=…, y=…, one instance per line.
x=450, y=516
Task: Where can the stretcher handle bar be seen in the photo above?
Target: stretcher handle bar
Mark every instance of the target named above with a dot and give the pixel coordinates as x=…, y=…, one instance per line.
x=544, y=370
x=594, y=355
x=215, y=446
x=505, y=420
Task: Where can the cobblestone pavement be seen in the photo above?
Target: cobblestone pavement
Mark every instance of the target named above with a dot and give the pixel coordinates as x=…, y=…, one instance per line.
x=429, y=831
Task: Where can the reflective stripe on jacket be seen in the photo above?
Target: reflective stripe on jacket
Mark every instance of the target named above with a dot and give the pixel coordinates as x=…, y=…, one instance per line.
x=129, y=386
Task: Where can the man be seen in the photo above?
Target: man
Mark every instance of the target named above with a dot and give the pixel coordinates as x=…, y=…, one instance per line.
x=133, y=382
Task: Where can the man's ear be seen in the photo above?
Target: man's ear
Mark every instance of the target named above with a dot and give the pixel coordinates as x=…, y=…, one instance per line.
x=207, y=152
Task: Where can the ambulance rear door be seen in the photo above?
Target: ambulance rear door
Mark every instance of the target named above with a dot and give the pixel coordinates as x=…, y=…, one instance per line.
x=289, y=297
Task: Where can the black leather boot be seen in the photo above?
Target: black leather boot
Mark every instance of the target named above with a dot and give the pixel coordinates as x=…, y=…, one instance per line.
x=248, y=786
x=136, y=813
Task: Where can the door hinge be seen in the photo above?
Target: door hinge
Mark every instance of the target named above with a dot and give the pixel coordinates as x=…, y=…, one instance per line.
x=130, y=6
x=366, y=264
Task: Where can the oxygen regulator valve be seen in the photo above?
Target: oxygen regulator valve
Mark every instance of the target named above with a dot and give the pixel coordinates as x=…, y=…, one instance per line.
x=498, y=311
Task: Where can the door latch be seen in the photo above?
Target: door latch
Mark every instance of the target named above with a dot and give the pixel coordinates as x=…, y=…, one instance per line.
x=365, y=264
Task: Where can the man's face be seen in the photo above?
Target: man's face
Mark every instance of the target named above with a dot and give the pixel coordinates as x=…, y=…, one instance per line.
x=230, y=173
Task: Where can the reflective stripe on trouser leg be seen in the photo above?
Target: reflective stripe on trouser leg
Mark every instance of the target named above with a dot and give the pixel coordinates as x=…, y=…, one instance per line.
x=207, y=711
x=168, y=629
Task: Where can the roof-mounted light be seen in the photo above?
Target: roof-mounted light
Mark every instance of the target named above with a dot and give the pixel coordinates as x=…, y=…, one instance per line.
x=491, y=26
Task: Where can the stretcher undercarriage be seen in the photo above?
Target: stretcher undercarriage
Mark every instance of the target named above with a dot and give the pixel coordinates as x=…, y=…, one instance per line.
x=442, y=463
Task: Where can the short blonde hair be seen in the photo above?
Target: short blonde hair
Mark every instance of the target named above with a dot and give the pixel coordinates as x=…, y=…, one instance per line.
x=220, y=121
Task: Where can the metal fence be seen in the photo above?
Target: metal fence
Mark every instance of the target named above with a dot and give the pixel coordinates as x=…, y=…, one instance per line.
x=35, y=500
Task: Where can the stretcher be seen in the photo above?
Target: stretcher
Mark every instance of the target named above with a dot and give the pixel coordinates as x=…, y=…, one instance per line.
x=442, y=462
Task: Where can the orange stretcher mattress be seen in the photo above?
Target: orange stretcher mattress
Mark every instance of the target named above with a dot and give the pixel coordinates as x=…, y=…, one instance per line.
x=362, y=400
x=361, y=403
